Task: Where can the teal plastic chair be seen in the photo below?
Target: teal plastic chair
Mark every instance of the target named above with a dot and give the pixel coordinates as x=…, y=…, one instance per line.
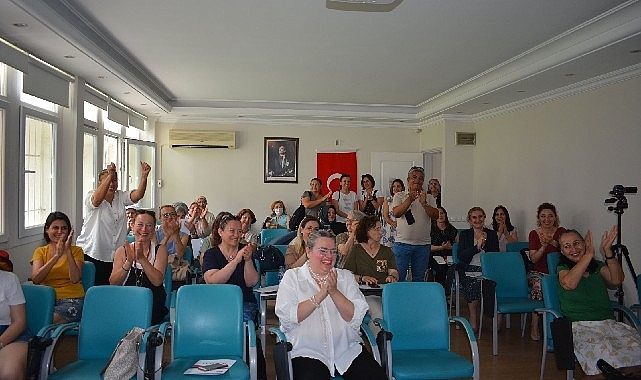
x=209, y=325
x=40, y=301
x=549, y=286
x=420, y=345
x=455, y=294
x=109, y=312
x=512, y=293
x=88, y=275
x=268, y=234
x=281, y=339
x=553, y=259
x=517, y=246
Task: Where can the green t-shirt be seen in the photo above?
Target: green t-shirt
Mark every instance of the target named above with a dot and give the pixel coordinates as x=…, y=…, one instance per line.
x=589, y=301
x=361, y=263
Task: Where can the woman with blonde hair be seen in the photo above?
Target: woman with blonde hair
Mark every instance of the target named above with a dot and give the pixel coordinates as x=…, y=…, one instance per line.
x=295, y=253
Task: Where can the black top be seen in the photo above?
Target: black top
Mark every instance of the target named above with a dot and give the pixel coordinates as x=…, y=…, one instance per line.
x=441, y=237
x=138, y=277
x=467, y=249
x=214, y=259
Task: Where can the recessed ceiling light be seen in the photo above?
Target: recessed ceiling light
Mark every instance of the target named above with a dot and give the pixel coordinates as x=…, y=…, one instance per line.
x=143, y=104
x=520, y=90
x=20, y=24
x=101, y=77
x=635, y=51
x=69, y=56
x=569, y=74
x=485, y=103
x=127, y=92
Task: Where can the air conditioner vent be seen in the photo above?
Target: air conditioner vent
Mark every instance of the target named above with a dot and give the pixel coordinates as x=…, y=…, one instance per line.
x=202, y=139
x=465, y=138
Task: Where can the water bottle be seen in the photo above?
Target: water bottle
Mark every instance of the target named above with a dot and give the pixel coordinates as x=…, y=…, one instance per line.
x=281, y=273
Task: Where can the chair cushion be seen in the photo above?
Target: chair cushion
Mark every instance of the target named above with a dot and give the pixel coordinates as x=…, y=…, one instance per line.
x=432, y=364
x=81, y=370
x=238, y=371
x=517, y=304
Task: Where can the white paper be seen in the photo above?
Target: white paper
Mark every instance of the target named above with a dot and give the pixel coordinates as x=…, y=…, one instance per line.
x=268, y=289
x=196, y=369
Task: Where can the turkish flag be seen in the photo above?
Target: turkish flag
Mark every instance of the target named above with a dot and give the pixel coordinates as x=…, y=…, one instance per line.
x=330, y=167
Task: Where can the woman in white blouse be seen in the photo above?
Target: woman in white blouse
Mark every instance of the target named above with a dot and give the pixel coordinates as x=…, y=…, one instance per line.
x=320, y=309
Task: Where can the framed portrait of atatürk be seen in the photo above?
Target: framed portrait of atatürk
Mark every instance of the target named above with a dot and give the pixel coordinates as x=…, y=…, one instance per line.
x=281, y=159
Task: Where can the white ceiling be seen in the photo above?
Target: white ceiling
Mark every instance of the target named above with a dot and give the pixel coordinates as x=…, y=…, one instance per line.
x=321, y=62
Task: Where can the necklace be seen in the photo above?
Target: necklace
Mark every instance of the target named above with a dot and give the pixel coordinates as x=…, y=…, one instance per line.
x=321, y=280
x=138, y=273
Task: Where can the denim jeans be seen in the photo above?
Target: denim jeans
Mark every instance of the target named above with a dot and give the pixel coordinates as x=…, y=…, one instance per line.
x=417, y=256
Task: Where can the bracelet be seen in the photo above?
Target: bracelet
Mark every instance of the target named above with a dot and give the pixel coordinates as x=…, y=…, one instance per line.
x=1, y=345
x=312, y=299
x=610, y=258
x=126, y=270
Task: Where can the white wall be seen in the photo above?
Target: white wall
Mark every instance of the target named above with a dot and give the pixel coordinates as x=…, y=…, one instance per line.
x=232, y=179
x=569, y=152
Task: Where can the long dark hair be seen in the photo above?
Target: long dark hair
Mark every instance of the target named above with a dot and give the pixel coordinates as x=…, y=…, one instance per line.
x=56, y=215
x=592, y=267
x=221, y=221
x=366, y=224
x=435, y=221
x=508, y=223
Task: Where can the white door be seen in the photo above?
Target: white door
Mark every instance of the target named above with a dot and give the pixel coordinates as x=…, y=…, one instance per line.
x=387, y=166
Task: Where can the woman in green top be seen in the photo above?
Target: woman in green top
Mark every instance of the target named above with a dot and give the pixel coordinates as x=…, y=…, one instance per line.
x=583, y=297
x=371, y=262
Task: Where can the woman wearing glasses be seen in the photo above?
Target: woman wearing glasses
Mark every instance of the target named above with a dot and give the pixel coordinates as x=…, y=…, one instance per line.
x=230, y=262
x=143, y=263
x=168, y=232
x=320, y=309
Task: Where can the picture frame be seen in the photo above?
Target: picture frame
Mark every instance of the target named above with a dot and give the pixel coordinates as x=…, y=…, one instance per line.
x=281, y=160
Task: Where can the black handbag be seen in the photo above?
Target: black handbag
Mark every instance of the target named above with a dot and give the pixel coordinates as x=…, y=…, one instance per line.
x=563, y=343
x=296, y=218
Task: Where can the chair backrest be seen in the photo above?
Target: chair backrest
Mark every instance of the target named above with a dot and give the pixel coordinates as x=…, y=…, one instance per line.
x=188, y=255
x=40, y=300
x=455, y=253
x=167, y=282
x=209, y=321
x=517, y=246
x=267, y=234
x=508, y=271
x=88, y=275
x=109, y=312
x=549, y=287
x=428, y=329
x=553, y=259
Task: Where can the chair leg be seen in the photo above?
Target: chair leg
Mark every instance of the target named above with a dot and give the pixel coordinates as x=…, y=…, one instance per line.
x=569, y=375
x=495, y=333
x=523, y=323
x=545, y=344
x=507, y=321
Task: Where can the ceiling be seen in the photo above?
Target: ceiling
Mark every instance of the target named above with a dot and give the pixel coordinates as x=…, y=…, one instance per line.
x=322, y=62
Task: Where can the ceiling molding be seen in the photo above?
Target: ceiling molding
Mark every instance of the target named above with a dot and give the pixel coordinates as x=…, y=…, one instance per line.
x=84, y=34
x=614, y=26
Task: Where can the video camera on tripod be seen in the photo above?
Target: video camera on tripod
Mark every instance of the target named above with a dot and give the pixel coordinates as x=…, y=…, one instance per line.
x=620, y=202
x=618, y=192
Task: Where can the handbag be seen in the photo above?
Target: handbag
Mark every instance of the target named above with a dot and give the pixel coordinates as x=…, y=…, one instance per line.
x=561, y=329
x=123, y=363
x=296, y=218
x=179, y=268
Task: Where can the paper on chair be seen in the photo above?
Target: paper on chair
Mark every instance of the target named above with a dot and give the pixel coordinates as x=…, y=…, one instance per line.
x=268, y=289
x=210, y=367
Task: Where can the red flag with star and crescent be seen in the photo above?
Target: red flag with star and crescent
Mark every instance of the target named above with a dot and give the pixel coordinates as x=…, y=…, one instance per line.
x=331, y=165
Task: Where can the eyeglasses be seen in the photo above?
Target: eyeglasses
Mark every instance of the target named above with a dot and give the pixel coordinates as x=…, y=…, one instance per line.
x=327, y=252
x=169, y=215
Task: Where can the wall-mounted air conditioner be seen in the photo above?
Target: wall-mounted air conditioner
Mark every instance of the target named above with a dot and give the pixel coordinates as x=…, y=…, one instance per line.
x=183, y=138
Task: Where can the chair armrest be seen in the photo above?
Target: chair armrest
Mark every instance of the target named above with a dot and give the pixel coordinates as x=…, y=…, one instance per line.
x=371, y=338
x=474, y=348
x=253, y=355
x=554, y=313
x=381, y=323
x=629, y=314
x=280, y=335
x=54, y=331
x=466, y=325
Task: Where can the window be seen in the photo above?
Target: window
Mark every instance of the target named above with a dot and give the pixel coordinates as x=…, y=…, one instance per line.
x=91, y=112
x=40, y=103
x=39, y=169
x=2, y=192
x=89, y=167
x=140, y=151
x=3, y=79
x=111, y=152
x=113, y=127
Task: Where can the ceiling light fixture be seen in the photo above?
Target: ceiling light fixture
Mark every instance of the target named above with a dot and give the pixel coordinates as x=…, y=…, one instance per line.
x=20, y=24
